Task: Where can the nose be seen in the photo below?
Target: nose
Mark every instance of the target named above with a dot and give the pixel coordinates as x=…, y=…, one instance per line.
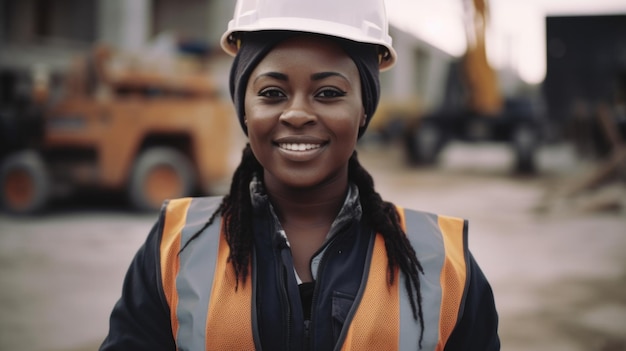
x=298, y=114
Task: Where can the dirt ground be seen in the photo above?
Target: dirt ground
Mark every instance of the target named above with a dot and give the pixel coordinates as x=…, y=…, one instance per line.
x=558, y=271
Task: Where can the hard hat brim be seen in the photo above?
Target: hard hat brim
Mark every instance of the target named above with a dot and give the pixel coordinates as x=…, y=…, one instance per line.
x=362, y=35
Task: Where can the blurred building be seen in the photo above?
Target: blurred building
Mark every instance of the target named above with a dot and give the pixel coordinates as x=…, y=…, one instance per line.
x=50, y=32
x=586, y=71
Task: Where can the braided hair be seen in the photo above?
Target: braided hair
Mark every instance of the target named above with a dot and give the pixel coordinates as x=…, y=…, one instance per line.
x=236, y=210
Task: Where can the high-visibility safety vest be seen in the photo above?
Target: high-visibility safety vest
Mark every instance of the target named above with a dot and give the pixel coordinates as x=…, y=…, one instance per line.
x=208, y=313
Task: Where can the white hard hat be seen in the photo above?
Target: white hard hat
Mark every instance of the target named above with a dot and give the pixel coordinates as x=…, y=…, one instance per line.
x=363, y=21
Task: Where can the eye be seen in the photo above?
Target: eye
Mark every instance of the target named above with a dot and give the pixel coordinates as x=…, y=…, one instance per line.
x=330, y=93
x=271, y=93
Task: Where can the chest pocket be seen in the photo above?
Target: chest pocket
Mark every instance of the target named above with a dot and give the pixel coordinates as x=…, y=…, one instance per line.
x=341, y=305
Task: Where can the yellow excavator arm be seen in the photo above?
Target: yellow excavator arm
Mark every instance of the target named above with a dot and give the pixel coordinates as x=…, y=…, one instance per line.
x=483, y=91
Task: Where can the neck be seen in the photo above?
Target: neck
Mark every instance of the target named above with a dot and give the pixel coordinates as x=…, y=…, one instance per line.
x=308, y=207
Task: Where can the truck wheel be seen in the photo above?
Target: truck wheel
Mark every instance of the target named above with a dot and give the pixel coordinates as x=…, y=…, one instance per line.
x=160, y=173
x=525, y=143
x=25, y=183
x=425, y=143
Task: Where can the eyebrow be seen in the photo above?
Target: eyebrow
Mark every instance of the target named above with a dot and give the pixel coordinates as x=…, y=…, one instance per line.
x=275, y=75
x=322, y=75
x=314, y=76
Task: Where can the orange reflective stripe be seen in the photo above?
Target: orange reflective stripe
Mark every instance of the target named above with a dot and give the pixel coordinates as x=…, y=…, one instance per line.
x=175, y=217
x=230, y=311
x=376, y=324
x=453, y=276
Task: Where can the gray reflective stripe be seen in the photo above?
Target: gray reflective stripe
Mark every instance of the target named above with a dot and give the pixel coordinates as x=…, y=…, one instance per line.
x=426, y=238
x=194, y=281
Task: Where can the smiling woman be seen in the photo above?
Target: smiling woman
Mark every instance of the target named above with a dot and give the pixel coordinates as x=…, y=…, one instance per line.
x=303, y=253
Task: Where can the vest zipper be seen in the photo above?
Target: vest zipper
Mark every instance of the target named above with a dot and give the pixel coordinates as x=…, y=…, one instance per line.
x=307, y=335
x=285, y=294
x=320, y=271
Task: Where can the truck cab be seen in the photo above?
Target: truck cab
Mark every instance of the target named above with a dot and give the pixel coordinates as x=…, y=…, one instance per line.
x=128, y=129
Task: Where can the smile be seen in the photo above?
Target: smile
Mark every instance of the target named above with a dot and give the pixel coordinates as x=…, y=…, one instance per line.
x=299, y=147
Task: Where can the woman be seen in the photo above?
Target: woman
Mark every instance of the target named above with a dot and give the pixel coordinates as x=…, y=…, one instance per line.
x=303, y=254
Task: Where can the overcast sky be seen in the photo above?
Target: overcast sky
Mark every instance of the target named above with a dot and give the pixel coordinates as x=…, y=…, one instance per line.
x=516, y=36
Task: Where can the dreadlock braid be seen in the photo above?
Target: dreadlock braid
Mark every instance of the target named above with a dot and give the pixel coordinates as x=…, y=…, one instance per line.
x=383, y=217
x=236, y=209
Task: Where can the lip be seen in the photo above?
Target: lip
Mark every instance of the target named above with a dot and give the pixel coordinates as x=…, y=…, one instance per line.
x=300, y=148
x=300, y=139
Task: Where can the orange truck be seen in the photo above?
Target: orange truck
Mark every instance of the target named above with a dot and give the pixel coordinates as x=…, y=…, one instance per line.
x=137, y=131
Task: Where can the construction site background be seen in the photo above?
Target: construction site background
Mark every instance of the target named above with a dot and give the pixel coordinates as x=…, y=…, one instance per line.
x=550, y=234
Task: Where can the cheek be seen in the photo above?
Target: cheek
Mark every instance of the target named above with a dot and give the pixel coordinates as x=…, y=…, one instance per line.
x=350, y=123
x=259, y=118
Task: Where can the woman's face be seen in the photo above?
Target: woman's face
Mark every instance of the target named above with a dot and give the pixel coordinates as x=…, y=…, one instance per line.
x=303, y=111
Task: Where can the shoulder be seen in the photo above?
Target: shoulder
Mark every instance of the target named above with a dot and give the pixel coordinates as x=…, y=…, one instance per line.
x=418, y=222
x=181, y=219
x=191, y=205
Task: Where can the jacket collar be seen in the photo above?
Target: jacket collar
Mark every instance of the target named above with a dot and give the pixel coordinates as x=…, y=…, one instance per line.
x=350, y=211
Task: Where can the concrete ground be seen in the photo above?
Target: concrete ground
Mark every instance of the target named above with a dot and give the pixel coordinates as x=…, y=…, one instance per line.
x=558, y=271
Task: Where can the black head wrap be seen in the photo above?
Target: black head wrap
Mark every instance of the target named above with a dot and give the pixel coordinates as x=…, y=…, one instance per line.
x=255, y=45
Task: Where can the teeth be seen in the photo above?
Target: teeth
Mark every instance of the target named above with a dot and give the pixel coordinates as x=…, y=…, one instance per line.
x=299, y=147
